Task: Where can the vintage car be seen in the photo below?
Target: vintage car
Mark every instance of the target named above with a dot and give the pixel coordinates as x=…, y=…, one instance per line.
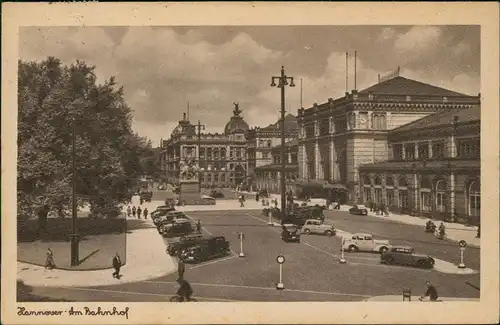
x=170, y=217
x=162, y=210
x=313, y=226
x=178, y=227
x=359, y=209
x=146, y=195
x=404, y=255
x=365, y=243
x=213, y=247
x=184, y=242
x=290, y=232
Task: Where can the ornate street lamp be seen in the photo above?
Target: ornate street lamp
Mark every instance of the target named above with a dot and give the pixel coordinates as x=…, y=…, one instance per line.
x=282, y=82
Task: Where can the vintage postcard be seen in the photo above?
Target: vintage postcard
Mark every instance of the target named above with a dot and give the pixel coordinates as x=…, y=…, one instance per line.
x=218, y=163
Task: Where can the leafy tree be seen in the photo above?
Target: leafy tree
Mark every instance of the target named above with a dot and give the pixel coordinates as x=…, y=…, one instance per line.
x=52, y=97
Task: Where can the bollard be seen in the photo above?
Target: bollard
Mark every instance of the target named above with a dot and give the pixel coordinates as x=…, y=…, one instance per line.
x=407, y=294
x=342, y=259
x=280, y=259
x=462, y=245
x=241, y=236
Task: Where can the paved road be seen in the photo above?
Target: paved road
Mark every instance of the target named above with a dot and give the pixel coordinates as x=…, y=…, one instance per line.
x=404, y=234
x=311, y=271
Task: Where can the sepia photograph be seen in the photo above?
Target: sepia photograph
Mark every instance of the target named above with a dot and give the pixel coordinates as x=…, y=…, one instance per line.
x=248, y=163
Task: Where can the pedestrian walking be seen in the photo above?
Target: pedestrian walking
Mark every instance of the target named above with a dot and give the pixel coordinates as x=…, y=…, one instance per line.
x=146, y=213
x=49, y=260
x=181, y=268
x=198, y=226
x=139, y=211
x=129, y=211
x=117, y=264
x=257, y=196
x=141, y=201
x=134, y=210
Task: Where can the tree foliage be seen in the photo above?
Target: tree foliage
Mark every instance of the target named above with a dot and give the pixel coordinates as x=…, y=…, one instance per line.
x=109, y=155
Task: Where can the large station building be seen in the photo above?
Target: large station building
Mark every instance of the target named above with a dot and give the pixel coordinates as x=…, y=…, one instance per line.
x=339, y=136
x=222, y=157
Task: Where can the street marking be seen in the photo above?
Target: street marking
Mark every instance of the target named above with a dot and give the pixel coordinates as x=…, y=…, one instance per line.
x=208, y=232
x=139, y=293
x=213, y=262
x=267, y=288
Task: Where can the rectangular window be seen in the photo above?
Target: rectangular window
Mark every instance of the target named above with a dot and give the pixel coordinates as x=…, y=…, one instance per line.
x=475, y=204
x=438, y=150
x=294, y=158
x=468, y=148
x=379, y=122
x=367, y=194
x=441, y=201
x=324, y=127
x=403, y=199
x=309, y=130
x=390, y=197
x=378, y=195
x=397, y=151
x=216, y=178
x=425, y=201
x=423, y=150
x=223, y=177
x=409, y=151
x=209, y=178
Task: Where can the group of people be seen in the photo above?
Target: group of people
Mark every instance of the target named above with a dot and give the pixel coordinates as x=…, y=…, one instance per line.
x=137, y=212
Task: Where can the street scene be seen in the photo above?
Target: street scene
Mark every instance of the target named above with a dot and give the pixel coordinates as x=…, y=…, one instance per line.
x=217, y=164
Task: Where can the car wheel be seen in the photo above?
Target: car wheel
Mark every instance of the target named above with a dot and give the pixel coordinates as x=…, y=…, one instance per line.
x=389, y=260
x=329, y=233
x=353, y=248
x=383, y=249
x=307, y=231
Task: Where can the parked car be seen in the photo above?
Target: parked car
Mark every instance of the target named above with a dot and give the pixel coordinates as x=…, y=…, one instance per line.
x=146, y=195
x=216, y=194
x=359, y=209
x=290, y=232
x=176, y=228
x=160, y=212
x=313, y=226
x=405, y=255
x=213, y=247
x=169, y=217
x=184, y=242
x=365, y=243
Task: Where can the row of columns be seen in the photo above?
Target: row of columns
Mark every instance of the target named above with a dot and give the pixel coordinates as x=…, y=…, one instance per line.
x=324, y=157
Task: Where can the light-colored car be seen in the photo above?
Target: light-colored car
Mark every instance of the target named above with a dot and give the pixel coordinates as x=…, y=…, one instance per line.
x=313, y=226
x=365, y=243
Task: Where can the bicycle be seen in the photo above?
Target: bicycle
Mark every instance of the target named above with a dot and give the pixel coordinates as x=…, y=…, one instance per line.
x=178, y=298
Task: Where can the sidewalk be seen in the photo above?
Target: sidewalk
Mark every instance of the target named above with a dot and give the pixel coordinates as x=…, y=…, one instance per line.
x=146, y=259
x=415, y=299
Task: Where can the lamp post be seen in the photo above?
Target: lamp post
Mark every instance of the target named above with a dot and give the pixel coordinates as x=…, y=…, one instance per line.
x=199, y=128
x=75, y=258
x=282, y=82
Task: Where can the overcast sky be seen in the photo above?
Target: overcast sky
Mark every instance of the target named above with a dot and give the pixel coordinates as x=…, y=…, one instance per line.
x=164, y=68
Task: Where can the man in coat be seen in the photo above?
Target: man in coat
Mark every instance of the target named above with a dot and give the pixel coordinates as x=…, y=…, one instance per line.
x=117, y=264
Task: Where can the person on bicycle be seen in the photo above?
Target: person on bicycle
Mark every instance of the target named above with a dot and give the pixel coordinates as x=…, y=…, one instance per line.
x=185, y=291
x=431, y=292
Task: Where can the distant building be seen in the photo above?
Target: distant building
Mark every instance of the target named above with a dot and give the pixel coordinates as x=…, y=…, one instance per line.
x=433, y=167
x=268, y=176
x=222, y=158
x=340, y=135
x=261, y=142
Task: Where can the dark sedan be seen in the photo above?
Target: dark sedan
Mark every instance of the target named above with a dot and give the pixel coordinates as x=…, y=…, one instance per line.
x=404, y=255
x=290, y=233
x=359, y=209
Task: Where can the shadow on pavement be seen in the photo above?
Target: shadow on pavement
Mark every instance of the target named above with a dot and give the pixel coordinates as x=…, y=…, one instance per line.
x=24, y=294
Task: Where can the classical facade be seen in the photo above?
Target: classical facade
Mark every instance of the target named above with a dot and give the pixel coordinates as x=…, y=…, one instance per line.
x=261, y=142
x=268, y=176
x=338, y=136
x=433, y=168
x=221, y=157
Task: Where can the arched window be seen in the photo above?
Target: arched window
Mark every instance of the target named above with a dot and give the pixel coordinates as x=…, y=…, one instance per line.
x=223, y=153
x=441, y=196
x=474, y=199
x=402, y=192
x=425, y=195
x=389, y=190
x=216, y=153
x=367, y=181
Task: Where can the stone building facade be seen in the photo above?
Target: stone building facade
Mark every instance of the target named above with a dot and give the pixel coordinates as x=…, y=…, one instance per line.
x=433, y=168
x=268, y=176
x=261, y=141
x=222, y=157
x=338, y=136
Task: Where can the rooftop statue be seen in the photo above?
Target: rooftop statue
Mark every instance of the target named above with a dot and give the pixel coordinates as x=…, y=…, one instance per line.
x=237, y=111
